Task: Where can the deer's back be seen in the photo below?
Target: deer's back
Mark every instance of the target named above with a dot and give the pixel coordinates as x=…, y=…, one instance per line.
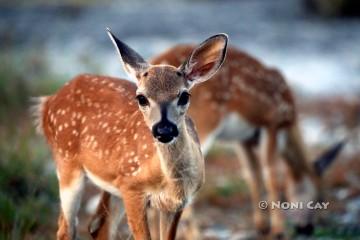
x=94, y=121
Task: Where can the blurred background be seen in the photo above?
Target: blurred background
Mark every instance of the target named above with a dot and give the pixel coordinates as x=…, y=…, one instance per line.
x=314, y=43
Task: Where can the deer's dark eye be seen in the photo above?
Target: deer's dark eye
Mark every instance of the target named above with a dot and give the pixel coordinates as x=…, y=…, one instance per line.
x=142, y=100
x=184, y=99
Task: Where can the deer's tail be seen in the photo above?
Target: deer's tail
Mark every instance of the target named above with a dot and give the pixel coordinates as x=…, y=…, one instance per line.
x=296, y=156
x=37, y=111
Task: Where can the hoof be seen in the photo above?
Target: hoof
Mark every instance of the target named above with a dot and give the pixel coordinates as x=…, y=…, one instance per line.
x=306, y=230
x=279, y=236
x=263, y=231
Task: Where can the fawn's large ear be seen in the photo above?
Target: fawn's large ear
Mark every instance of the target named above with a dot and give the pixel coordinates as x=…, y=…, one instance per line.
x=206, y=59
x=133, y=63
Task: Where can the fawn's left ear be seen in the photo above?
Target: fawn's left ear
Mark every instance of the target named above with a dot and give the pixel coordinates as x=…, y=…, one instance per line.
x=206, y=59
x=133, y=63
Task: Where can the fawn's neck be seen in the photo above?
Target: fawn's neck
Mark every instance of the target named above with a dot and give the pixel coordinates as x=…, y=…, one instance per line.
x=182, y=162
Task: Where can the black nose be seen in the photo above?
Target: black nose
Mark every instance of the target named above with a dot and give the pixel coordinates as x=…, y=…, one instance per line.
x=306, y=230
x=165, y=131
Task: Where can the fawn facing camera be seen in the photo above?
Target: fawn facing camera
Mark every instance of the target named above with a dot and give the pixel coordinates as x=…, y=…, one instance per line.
x=133, y=141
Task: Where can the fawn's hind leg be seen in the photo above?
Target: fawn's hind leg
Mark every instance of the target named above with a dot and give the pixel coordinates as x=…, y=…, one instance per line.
x=252, y=174
x=71, y=185
x=99, y=223
x=104, y=224
x=268, y=160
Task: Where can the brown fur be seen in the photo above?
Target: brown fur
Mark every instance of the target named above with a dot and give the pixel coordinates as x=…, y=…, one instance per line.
x=241, y=84
x=95, y=130
x=94, y=121
x=262, y=97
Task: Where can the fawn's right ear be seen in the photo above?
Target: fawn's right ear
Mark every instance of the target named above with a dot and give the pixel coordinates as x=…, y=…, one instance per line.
x=133, y=63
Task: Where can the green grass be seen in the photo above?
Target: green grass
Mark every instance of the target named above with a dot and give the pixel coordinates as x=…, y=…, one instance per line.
x=231, y=187
x=28, y=185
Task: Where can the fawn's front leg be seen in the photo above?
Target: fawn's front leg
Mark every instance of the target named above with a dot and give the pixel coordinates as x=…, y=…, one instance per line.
x=135, y=208
x=268, y=161
x=168, y=224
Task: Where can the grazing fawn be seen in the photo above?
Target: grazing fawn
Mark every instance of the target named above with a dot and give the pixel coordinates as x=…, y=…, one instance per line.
x=243, y=97
x=133, y=141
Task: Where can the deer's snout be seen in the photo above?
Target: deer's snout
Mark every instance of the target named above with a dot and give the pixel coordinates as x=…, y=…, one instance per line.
x=165, y=131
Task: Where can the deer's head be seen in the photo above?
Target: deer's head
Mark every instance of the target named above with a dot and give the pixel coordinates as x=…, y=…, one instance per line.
x=163, y=90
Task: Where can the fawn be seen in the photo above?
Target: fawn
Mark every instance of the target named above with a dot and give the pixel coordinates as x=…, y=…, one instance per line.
x=243, y=97
x=132, y=140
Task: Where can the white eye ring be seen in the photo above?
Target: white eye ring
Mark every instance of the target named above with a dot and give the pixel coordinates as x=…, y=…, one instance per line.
x=142, y=100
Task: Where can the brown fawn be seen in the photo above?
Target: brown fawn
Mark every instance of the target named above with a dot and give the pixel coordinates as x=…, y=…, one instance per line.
x=242, y=97
x=133, y=141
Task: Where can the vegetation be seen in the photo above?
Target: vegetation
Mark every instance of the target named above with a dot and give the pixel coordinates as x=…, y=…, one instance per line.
x=28, y=187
